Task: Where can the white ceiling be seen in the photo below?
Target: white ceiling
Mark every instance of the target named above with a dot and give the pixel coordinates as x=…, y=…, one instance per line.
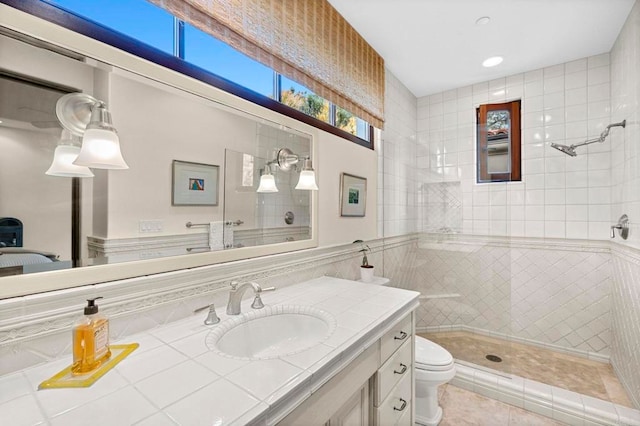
x=435, y=45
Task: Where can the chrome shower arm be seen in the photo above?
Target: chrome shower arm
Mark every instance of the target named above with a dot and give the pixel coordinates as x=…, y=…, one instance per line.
x=587, y=142
x=602, y=136
x=571, y=149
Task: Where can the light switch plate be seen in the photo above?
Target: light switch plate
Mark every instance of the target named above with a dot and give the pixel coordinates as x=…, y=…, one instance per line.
x=145, y=226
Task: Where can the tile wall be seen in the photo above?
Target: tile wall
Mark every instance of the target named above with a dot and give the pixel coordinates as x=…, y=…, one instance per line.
x=546, y=294
x=559, y=196
x=565, y=290
x=625, y=167
x=397, y=161
x=625, y=349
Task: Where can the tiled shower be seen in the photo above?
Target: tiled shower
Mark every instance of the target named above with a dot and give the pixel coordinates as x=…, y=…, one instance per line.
x=531, y=261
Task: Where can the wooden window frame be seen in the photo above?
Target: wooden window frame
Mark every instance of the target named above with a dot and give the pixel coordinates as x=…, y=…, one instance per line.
x=483, y=176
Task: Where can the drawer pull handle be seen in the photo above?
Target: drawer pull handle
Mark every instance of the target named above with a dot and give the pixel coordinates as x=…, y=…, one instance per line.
x=403, y=336
x=402, y=407
x=404, y=368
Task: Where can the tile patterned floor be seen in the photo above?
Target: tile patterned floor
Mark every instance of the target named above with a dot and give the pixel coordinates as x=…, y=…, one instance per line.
x=463, y=407
x=569, y=372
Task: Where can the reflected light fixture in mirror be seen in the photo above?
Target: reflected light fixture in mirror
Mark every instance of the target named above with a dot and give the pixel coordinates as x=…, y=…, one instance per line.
x=86, y=116
x=286, y=159
x=267, y=181
x=307, y=179
x=63, y=157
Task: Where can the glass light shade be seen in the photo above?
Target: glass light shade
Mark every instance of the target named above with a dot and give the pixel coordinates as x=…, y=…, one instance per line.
x=101, y=150
x=307, y=181
x=62, y=164
x=267, y=184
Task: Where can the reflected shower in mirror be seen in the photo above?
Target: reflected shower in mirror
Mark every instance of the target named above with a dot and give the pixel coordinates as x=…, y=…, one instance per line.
x=266, y=217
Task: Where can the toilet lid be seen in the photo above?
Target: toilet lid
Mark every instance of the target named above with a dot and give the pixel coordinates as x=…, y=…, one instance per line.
x=429, y=353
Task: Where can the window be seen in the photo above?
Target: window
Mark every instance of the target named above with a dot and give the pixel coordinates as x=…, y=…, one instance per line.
x=498, y=142
x=299, y=97
x=209, y=53
x=136, y=25
x=125, y=16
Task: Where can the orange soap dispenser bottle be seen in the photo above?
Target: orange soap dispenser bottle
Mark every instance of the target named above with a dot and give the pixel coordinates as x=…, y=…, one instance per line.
x=90, y=340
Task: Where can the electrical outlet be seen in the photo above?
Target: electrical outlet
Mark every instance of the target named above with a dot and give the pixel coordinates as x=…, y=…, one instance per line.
x=145, y=226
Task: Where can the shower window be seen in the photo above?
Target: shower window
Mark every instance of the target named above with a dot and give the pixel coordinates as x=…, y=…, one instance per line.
x=498, y=142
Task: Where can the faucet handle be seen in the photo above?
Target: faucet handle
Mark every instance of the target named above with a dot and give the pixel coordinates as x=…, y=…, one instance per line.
x=234, y=285
x=257, y=301
x=212, y=317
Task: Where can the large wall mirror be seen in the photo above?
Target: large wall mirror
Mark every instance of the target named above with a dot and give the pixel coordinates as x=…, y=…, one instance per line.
x=125, y=223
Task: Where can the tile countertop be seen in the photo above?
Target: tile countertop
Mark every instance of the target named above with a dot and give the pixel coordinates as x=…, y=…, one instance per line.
x=174, y=378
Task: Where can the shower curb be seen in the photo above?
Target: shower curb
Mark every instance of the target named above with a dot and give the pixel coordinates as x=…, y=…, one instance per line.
x=555, y=403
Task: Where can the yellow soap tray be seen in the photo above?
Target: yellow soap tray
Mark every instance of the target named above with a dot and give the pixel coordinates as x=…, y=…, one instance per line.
x=65, y=379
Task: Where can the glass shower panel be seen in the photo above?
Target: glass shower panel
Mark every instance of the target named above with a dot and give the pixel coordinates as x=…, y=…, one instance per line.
x=461, y=265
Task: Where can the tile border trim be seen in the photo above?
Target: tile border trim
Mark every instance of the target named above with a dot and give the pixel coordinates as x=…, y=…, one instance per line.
x=549, y=401
x=45, y=314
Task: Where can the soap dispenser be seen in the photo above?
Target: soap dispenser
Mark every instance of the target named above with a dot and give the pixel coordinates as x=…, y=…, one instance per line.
x=90, y=340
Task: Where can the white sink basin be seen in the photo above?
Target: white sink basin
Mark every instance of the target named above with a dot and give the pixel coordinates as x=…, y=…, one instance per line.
x=271, y=332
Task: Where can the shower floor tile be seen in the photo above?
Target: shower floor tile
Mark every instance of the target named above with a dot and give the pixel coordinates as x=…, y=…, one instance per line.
x=566, y=371
x=463, y=407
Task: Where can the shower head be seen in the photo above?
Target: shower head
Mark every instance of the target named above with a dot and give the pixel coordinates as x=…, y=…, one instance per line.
x=569, y=150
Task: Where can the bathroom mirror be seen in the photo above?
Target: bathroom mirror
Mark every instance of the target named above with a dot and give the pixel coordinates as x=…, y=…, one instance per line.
x=126, y=217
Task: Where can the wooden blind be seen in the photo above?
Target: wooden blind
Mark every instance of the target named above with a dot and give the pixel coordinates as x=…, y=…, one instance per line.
x=306, y=40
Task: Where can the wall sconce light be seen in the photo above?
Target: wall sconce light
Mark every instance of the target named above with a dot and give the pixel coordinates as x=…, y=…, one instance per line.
x=88, y=117
x=65, y=154
x=287, y=160
x=267, y=181
x=307, y=177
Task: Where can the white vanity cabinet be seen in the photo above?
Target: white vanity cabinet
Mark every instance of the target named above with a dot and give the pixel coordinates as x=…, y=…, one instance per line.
x=392, y=386
x=355, y=412
x=375, y=388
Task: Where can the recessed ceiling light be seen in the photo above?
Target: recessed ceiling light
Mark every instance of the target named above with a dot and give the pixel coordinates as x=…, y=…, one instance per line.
x=492, y=61
x=483, y=20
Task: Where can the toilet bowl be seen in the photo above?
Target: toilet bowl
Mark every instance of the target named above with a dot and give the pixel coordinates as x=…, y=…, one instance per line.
x=434, y=366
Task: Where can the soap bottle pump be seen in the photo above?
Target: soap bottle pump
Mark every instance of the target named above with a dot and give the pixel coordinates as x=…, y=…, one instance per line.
x=90, y=340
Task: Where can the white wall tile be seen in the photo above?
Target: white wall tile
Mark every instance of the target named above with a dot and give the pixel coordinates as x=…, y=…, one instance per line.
x=575, y=80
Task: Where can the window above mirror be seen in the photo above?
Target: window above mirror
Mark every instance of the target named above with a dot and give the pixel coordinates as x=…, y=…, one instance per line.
x=214, y=59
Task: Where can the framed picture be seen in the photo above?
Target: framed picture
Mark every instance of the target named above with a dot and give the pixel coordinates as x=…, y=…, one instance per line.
x=353, y=195
x=194, y=184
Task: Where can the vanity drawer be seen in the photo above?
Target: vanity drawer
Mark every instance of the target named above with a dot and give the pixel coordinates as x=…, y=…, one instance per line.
x=397, y=403
x=392, y=371
x=394, y=338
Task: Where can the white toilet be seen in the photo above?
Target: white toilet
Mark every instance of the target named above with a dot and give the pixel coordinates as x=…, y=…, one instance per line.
x=434, y=367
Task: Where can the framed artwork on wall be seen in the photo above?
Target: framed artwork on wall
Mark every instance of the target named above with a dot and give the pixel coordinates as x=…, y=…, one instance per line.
x=194, y=184
x=353, y=195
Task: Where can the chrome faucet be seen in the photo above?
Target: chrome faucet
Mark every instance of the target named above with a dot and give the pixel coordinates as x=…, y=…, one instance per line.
x=235, y=296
